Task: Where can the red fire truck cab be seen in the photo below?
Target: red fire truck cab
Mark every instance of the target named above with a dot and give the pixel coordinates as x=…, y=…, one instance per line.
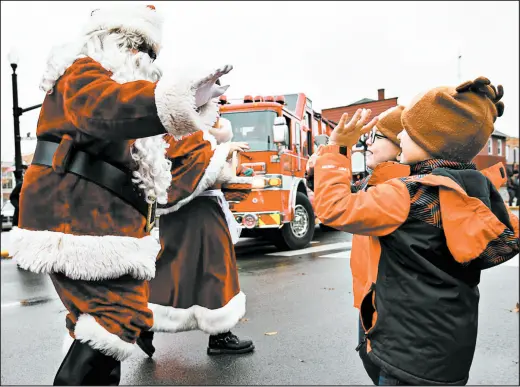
x=281, y=132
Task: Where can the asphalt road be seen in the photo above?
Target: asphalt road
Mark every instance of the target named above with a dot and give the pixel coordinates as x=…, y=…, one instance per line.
x=304, y=297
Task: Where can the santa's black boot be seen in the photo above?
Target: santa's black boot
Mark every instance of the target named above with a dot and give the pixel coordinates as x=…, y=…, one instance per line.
x=228, y=343
x=145, y=342
x=115, y=376
x=86, y=366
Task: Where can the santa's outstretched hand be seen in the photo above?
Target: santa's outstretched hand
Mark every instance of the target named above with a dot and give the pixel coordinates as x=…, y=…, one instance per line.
x=207, y=89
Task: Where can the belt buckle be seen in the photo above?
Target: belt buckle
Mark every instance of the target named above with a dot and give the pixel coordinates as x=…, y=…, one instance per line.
x=150, y=219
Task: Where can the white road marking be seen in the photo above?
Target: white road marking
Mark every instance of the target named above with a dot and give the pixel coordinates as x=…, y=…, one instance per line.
x=314, y=249
x=11, y=304
x=340, y=255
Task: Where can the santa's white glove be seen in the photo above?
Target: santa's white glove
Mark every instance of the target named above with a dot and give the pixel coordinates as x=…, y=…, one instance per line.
x=206, y=88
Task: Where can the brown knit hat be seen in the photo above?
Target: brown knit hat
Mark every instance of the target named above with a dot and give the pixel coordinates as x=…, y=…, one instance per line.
x=390, y=123
x=454, y=123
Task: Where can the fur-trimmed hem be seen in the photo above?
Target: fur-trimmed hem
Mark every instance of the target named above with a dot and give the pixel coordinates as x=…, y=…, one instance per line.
x=84, y=257
x=212, y=172
x=175, y=101
x=89, y=331
x=211, y=321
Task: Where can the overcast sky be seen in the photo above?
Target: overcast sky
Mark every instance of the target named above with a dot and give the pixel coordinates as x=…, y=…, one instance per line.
x=335, y=52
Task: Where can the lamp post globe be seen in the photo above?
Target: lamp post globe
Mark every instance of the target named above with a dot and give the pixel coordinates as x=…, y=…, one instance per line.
x=13, y=57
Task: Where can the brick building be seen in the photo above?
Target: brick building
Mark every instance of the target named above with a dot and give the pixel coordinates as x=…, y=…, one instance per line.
x=493, y=152
x=8, y=179
x=377, y=106
x=512, y=152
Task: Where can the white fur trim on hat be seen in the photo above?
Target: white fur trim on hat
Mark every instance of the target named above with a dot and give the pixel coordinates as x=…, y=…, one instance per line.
x=224, y=133
x=130, y=17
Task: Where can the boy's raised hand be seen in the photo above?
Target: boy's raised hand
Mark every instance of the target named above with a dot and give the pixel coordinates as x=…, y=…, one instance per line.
x=348, y=133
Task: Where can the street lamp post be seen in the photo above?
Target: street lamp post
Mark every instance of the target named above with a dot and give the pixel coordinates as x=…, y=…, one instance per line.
x=17, y=112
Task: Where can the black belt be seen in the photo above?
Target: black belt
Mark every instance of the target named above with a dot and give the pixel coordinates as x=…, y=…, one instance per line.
x=101, y=173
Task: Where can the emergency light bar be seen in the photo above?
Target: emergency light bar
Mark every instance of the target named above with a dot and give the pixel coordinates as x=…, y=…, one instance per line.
x=280, y=99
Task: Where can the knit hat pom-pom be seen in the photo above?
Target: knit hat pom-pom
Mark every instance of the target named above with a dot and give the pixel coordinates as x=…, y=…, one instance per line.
x=500, y=108
x=482, y=85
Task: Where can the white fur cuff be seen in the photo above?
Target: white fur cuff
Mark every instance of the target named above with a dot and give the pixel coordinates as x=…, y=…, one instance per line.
x=175, y=101
x=211, y=321
x=89, y=331
x=84, y=257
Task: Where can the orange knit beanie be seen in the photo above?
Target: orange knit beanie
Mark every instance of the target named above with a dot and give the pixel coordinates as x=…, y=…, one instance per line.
x=454, y=123
x=389, y=123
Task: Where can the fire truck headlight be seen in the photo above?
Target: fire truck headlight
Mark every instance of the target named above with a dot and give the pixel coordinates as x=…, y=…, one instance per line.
x=275, y=182
x=258, y=182
x=249, y=220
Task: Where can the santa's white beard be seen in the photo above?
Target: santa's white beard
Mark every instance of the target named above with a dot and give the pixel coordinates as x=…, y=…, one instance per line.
x=125, y=65
x=154, y=170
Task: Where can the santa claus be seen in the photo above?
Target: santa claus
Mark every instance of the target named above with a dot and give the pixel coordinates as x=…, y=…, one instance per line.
x=197, y=285
x=88, y=200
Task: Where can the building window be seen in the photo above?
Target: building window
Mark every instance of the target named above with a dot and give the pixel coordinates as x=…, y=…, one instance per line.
x=490, y=146
x=297, y=137
x=7, y=182
x=499, y=142
x=507, y=153
x=515, y=155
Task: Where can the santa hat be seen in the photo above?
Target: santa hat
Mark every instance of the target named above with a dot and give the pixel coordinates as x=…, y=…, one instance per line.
x=223, y=130
x=454, y=123
x=141, y=19
x=389, y=123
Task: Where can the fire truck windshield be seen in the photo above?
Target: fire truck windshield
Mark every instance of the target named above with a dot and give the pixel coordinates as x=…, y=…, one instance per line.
x=253, y=127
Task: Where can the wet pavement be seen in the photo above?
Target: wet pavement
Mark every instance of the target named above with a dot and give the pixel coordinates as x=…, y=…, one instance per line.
x=302, y=299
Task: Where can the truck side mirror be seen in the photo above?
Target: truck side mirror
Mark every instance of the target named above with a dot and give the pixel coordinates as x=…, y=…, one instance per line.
x=321, y=139
x=280, y=131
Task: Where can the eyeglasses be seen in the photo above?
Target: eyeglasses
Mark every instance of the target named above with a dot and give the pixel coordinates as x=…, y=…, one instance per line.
x=147, y=49
x=374, y=135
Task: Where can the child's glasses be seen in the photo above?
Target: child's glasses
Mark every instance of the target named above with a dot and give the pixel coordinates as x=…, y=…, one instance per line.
x=374, y=135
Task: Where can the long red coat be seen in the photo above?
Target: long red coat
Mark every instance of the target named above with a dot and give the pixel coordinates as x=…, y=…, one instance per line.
x=196, y=285
x=92, y=242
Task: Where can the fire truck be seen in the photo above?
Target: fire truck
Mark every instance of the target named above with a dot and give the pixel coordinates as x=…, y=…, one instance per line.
x=282, y=133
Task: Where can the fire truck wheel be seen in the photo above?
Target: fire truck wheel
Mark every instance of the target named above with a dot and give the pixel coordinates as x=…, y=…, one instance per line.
x=298, y=233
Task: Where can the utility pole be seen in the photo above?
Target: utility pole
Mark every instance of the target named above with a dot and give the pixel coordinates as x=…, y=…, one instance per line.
x=17, y=112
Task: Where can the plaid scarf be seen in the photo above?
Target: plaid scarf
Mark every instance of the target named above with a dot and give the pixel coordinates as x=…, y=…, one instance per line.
x=427, y=166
